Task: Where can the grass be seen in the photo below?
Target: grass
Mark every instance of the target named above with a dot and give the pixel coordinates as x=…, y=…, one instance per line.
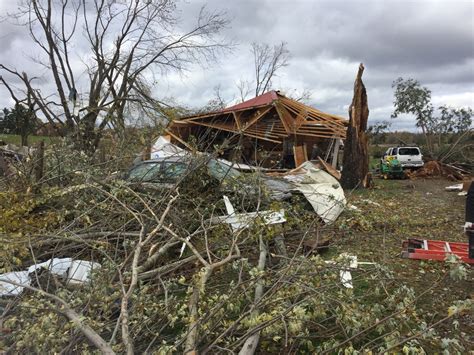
x=16, y=139
x=400, y=209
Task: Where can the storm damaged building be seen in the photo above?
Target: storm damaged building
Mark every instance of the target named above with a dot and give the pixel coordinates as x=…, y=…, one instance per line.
x=270, y=130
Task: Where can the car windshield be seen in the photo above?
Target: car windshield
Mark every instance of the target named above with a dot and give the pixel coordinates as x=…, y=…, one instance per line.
x=144, y=172
x=173, y=170
x=408, y=151
x=221, y=171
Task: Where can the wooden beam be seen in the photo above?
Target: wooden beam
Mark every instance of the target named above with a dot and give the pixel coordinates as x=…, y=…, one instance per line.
x=318, y=135
x=256, y=118
x=300, y=154
x=179, y=139
x=262, y=138
x=285, y=118
x=233, y=131
x=237, y=120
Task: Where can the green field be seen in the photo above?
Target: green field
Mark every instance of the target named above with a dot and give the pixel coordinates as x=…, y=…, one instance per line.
x=16, y=139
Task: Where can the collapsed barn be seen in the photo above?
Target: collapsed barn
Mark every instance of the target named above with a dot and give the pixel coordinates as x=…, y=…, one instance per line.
x=270, y=130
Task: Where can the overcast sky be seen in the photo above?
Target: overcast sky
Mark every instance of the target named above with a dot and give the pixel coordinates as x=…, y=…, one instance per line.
x=431, y=41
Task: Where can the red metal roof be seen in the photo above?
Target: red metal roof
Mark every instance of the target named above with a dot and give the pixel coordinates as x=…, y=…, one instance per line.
x=264, y=99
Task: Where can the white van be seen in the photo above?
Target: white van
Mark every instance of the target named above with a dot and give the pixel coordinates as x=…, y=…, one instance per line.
x=409, y=157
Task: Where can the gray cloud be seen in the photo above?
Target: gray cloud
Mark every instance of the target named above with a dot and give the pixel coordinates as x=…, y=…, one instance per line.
x=432, y=41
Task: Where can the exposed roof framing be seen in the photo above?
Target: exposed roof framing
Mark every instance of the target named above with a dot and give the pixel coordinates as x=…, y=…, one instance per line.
x=270, y=117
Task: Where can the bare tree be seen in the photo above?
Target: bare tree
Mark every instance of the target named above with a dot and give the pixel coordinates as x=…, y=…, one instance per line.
x=129, y=44
x=268, y=61
x=244, y=87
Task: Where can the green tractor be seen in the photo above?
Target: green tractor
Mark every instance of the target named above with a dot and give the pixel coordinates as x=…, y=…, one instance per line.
x=390, y=168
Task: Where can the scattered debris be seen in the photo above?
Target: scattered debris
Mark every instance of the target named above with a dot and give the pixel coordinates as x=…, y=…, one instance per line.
x=322, y=190
x=435, y=168
x=316, y=244
x=345, y=273
x=457, y=187
x=240, y=221
x=331, y=170
x=425, y=249
x=73, y=271
x=18, y=277
x=163, y=148
x=370, y=202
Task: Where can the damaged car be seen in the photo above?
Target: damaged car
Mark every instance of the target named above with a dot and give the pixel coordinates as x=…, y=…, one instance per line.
x=320, y=189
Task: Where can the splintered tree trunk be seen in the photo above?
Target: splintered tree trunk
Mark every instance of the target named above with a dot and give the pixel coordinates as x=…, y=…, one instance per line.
x=355, y=171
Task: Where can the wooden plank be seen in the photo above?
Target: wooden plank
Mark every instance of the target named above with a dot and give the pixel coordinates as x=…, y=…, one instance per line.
x=330, y=169
x=215, y=125
x=179, y=139
x=237, y=120
x=262, y=138
x=223, y=128
x=318, y=135
x=300, y=106
x=265, y=133
x=333, y=122
x=285, y=118
x=335, y=153
x=300, y=154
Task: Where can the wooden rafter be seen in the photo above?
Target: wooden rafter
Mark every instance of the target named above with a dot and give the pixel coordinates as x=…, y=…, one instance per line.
x=256, y=120
x=333, y=124
x=237, y=120
x=223, y=128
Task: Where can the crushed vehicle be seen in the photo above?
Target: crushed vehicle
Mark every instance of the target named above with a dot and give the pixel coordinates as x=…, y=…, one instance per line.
x=408, y=157
x=167, y=172
x=172, y=165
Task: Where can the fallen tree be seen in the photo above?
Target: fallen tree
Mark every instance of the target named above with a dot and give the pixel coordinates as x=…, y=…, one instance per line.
x=175, y=277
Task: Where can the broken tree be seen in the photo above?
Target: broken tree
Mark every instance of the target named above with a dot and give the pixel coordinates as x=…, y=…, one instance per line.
x=355, y=171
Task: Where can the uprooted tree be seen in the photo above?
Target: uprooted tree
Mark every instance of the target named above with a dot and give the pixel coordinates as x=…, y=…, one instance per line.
x=127, y=45
x=356, y=157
